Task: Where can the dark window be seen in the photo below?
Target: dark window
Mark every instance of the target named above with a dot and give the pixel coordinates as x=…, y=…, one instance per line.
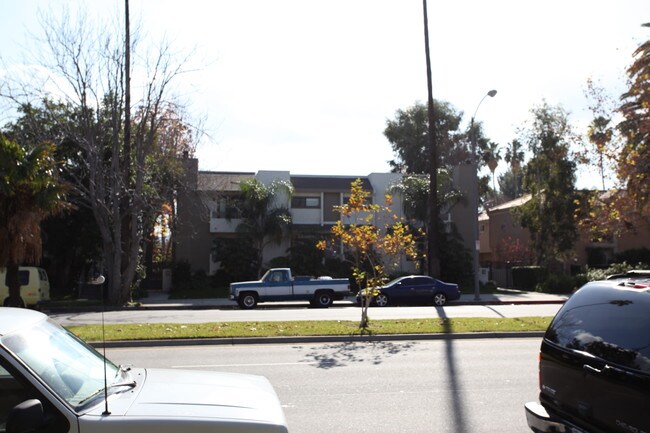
x=606, y=323
x=12, y=392
x=15, y=389
x=228, y=208
x=305, y=202
x=331, y=199
x=422, y=281
x=23, y=277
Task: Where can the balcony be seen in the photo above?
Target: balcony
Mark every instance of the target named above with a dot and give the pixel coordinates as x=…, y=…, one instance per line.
x=223, y=225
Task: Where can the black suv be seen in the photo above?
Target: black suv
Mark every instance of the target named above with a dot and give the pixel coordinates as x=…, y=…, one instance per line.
x=594, y=365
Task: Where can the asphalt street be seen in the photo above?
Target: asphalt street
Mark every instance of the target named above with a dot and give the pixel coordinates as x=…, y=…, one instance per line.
x=445, y=386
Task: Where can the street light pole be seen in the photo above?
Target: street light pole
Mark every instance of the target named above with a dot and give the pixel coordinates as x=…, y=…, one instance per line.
x=475, y=193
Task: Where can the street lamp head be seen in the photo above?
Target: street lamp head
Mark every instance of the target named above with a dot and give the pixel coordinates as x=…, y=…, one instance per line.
x=491, y=93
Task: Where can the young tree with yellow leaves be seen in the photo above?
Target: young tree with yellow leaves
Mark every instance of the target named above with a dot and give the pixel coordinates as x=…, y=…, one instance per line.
x=374, y=237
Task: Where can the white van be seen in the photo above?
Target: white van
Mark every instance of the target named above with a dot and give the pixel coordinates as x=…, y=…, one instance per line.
x=34, y=285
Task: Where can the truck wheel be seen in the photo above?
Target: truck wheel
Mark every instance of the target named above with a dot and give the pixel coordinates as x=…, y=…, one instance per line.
x=247, y=300
x=439, y=299
x=324, y=299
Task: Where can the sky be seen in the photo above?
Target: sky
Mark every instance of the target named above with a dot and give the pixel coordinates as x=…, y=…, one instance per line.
x=307, y=86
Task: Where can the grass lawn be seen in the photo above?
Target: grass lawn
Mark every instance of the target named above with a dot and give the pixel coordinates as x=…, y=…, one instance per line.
x=154, y=331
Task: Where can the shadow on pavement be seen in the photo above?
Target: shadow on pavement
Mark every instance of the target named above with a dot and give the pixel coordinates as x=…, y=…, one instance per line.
x=456, y=392
x=343, y=354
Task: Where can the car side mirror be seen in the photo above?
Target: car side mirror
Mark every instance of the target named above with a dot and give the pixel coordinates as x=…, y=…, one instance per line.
x=25, y=417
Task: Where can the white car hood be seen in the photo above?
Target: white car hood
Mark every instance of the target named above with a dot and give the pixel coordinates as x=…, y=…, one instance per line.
x=189, y=399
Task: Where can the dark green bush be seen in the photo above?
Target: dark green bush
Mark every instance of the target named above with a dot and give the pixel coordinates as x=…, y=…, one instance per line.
x=558, y=284
x=489, y=286
x=181, y=276
x=528, y=277
x=638, y=255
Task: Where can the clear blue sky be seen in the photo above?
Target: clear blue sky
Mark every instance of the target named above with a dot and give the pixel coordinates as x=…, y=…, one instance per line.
x=307, y=86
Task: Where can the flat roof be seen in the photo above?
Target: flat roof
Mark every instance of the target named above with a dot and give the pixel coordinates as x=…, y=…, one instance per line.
x=327, y=183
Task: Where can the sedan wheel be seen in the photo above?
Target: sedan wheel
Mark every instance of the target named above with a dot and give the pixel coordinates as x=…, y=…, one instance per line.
x=381, y=300
x=439, y=299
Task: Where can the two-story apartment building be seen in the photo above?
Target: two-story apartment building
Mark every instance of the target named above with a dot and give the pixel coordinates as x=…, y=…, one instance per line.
x=203, y=217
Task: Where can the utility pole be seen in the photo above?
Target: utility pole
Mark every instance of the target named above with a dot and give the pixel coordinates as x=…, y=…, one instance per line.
x=432, y=234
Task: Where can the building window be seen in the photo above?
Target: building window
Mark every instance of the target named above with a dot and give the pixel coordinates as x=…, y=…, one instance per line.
x=227, y=207
x=312, y=202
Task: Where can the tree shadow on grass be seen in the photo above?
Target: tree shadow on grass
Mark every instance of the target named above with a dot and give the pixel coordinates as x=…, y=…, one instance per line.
x=343, y=354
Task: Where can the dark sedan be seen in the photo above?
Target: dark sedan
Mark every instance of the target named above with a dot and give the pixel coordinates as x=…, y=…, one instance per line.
x=415, y=289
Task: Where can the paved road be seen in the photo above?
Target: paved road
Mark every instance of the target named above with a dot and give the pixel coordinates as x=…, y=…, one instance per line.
x=448, y=386
x=284, y=313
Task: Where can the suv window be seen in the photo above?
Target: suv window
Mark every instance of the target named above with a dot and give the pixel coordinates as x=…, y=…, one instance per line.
x=606, y=324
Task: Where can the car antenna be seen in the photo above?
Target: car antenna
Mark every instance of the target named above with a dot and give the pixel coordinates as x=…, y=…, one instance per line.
x=99, y=281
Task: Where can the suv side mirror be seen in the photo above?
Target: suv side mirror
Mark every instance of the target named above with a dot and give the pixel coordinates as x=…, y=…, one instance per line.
x=25, y=417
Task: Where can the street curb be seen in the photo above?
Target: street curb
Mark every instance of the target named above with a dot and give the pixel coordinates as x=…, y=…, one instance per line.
x=311, y=339
x=162, y=307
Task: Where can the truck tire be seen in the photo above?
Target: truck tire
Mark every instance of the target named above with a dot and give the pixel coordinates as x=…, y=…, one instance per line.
x=323, y=299
x=247, y=300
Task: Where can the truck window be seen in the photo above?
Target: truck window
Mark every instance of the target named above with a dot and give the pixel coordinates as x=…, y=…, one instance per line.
x=12, y=392
x=278, y=276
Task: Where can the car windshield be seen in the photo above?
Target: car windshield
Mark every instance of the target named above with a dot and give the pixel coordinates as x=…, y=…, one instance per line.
x=70, y=367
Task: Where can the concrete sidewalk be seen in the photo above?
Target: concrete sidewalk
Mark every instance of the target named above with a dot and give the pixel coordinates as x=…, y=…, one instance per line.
x=160, y=301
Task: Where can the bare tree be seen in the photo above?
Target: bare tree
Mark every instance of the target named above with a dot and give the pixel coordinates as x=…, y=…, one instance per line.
x=91, y=66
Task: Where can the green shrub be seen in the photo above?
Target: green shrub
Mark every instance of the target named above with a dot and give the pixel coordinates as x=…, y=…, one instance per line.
x=596, y=274
x=558, y=284
x=489, y=286
x=181, y=276
x=638, y=255
x=200, y=281
x=580, y=280
x=528, y=277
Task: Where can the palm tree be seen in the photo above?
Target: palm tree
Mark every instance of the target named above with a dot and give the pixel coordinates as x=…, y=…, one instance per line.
x=30, y=191
x=491, y=157
x=264, y=218
x=514, y=157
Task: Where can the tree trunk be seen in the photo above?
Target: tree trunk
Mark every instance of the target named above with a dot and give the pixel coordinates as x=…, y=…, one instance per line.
x=365, y=321
x=13, y=283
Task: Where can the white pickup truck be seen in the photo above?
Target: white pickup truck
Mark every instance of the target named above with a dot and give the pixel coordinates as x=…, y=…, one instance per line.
x=278, y=285
x=50, y=381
